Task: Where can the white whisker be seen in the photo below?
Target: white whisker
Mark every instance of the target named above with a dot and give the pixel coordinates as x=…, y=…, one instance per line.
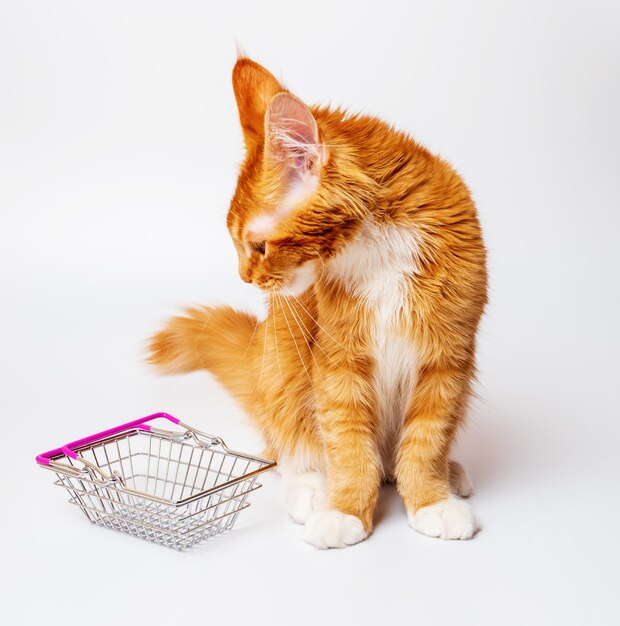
x=310, y=334
x=275, y=336
x=200, y=334
x=230, y=369
x=295, y=317
x=266, y=328
x=322, y=266
x=289, y=294
x=297, y=348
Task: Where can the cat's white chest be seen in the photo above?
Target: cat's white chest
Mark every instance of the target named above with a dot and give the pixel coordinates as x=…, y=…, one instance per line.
x=377, y=267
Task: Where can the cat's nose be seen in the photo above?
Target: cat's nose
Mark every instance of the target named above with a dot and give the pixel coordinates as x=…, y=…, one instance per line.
x=244, y=271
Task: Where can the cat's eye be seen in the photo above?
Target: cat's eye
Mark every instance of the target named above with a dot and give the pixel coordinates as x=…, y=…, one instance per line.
x=259, y=246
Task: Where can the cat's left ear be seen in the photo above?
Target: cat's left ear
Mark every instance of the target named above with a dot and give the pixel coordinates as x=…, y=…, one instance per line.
x=292, y=135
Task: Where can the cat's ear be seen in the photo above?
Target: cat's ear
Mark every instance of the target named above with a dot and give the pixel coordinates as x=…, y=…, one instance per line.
x=254, y=89
x=292, y=134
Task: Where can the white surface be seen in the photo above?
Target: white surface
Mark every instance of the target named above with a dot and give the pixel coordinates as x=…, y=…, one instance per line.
x=118, y=152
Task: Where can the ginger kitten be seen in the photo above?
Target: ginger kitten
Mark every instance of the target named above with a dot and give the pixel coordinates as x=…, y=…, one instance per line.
x=369, y=250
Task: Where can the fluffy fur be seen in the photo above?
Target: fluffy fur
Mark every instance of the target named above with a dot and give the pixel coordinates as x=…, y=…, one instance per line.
x=370, y=252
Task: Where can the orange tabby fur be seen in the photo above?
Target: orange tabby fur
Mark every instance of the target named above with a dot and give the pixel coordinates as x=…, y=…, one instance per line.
x=309, y=375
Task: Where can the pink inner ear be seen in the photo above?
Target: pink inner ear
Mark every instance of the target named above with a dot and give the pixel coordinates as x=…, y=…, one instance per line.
x=291, y=130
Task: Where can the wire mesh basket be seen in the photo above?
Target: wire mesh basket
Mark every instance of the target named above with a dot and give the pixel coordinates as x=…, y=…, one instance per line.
x=174, y=488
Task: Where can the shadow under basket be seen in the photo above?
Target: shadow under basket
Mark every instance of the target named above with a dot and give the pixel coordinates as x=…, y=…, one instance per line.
x=176, y=489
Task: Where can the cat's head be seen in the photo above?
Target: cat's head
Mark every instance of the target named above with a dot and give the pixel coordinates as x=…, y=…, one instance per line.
x=285, y=217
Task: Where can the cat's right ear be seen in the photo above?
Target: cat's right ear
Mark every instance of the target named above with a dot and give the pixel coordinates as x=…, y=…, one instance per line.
x=254, y=89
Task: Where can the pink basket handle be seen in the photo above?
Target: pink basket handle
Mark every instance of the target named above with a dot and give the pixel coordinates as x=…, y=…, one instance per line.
x=45, y=457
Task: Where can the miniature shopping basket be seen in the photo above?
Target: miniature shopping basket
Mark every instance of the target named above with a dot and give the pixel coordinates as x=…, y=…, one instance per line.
x=176, y=489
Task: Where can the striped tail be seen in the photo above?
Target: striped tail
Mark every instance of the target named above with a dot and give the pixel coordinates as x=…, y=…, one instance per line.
x=217, y=339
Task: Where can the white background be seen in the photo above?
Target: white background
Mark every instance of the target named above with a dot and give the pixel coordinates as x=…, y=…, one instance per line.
x=119, y=145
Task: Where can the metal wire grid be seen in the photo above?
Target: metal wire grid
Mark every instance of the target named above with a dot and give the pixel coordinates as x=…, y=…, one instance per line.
x=168, y=491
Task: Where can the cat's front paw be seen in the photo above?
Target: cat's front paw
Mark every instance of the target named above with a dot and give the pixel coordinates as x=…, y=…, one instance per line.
x=333, y=529
x=305, y=493
x=451, y=518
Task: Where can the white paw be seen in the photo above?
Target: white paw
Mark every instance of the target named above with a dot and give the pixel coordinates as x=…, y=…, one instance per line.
x=304, y=493
x=460, y=483
x=333, y=529
x=447, y=519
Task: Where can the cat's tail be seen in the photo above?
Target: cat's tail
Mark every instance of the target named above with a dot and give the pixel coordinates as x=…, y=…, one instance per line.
x=217, y=339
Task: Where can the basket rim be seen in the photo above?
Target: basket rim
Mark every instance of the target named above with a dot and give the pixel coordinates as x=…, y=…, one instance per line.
x=114, y=484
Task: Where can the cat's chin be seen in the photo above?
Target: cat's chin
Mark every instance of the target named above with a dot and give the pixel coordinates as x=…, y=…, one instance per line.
x=302, y=279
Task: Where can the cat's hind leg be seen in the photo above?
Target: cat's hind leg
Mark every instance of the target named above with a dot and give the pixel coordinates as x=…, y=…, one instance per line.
x=304, y=490
x=460, y=482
